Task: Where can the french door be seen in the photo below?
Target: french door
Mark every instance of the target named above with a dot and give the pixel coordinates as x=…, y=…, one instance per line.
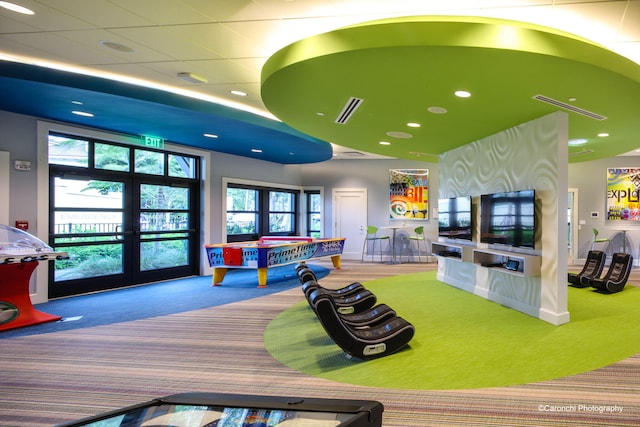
x=121, y=228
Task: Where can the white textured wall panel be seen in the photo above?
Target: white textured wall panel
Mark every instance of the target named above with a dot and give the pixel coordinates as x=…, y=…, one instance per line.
x=532, y=155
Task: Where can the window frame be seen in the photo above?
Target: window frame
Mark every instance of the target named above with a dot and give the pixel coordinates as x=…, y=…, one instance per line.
x=308, y=194
x=263, y=211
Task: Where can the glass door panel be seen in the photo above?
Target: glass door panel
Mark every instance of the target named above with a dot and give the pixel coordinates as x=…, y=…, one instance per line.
x=88, y=223
x=159, y=254
x=166, y=231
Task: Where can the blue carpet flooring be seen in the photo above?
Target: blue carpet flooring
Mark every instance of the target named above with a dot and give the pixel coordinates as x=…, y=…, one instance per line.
x=160, y=299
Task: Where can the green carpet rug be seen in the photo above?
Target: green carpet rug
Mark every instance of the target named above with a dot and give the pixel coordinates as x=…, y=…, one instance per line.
x=463, y=341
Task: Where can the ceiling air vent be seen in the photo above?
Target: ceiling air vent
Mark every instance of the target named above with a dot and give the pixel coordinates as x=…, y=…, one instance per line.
x=347, y=111
x=569, y=107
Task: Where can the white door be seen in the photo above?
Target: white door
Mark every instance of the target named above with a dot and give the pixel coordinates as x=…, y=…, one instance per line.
x=350, y=219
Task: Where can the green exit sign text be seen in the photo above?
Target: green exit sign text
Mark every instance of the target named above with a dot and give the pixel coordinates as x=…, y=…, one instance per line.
x=153, y=141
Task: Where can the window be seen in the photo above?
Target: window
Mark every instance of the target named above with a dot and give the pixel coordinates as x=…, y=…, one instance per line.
x=314, y=214
x=111, y=157
x=149, y=162
x=242, y=211
x=67, y=150
x=281, y=212
x=254, y=211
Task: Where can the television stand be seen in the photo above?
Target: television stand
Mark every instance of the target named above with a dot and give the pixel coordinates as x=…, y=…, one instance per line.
x=510, y=262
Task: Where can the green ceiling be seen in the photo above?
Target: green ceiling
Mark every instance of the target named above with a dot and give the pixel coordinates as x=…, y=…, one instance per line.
x=399, y=67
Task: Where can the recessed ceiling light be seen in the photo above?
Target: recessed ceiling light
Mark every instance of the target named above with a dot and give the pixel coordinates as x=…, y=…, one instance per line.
x=437, y=110
x=603, y=134
x=82, y=113
x=413, y=125
x=577, y=141
x=572, y=99
x=238, y=92
x=403, y=135
x=384, y=143
x=116, y=46
x=319, y=113
x=16, y=8
x=462, y=94
x=211, y=135
x=77, y=102
x=256, y=150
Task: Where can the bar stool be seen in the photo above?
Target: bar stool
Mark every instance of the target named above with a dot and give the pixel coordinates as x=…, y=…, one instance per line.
x=373, y=238
x=417, y=237
x=595, y=239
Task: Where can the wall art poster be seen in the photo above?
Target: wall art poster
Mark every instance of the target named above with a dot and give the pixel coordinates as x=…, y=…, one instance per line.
x=623, y=186
x=409, y=194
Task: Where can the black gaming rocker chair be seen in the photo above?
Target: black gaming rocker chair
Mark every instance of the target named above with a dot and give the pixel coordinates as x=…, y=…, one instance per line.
x=592, y=269
x=617, y=275
x=364, y=319
x=349, y=303
x=305, y=274
x=309, y=282
x=369, y=343
x=349, y=290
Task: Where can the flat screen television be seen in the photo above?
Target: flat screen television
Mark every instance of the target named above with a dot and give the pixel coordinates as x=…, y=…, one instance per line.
x=454, y=218
x=508, y=218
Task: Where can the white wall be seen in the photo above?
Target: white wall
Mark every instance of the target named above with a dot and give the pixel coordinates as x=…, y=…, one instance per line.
x=18, y=137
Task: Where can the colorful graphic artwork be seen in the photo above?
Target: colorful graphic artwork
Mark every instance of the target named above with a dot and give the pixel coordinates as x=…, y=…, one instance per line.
x=409, y=194
x=623, y=186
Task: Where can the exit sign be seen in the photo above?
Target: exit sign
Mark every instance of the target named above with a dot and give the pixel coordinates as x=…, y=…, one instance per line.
x=153, y=141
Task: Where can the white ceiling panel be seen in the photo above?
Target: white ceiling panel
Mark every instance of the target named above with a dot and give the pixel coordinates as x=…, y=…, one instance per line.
x=61, y=49
x=629, y=49
x=265, y=37
x=630, y=26
x=140, y=71
x=164, y=12
x=8, y=25
x=583, y=1
x=218, y=39
x=12, y=46
x=169, y=43
x=47, y=19
x=96, y=13
x=282, y=9
x=230, y=10
x=539, y=14
x=249, y=69
x=596, y=21
x=307, y=27
x=91, y=40
x=219, y=71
